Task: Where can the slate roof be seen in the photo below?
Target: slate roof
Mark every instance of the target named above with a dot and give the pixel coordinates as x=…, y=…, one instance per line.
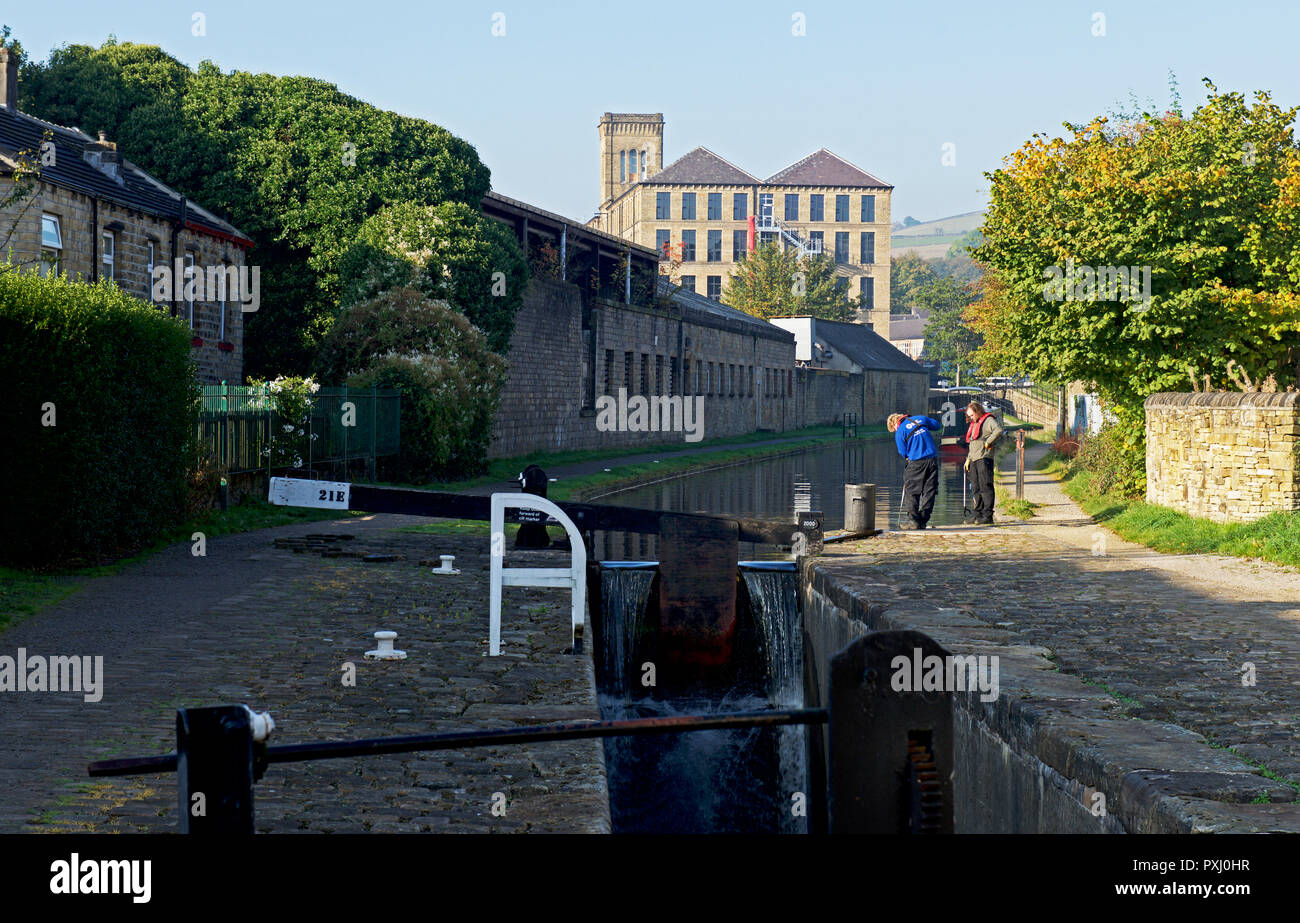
x=864, y=346
x=822, y=168
x=704, y=168
x=715, y=314
x=908, y=326
x=23, y=134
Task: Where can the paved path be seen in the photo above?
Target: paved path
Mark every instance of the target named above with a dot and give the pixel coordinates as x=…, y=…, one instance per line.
x=1168, y=635
x=254, y=624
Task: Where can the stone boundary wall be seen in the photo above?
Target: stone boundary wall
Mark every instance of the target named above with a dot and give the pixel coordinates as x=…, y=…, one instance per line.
x=1223, y=456
x=1032, y=760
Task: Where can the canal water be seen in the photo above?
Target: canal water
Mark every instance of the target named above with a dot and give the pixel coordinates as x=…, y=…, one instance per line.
x=727, y=781
x=777, y=488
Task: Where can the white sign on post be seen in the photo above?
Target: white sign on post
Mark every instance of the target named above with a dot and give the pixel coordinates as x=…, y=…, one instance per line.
x=325, y=495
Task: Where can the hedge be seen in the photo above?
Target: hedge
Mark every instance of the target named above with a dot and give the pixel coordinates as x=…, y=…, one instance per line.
x=110, y=474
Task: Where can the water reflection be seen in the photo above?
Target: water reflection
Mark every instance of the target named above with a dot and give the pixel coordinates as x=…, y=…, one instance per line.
x=775, y=488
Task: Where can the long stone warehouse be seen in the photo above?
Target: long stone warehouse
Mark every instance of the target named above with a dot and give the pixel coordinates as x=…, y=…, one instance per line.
x=598, y=318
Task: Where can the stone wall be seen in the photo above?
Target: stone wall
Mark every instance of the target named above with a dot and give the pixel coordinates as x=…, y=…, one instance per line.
x=1228, y=457
x=559, y=368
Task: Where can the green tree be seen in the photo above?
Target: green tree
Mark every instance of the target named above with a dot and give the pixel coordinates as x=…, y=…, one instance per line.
x=293, y=162
x=907, y=273
x=449, y=378
x=449, y=252
x=771, y=282
x=949, y=338
x=1208, y=204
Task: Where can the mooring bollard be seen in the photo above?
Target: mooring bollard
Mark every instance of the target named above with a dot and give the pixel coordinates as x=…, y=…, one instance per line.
x=891, y=758
x=532, y=523
x=215, y=771
x=859, y=508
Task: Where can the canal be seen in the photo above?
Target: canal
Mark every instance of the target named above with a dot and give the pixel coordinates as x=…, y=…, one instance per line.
x=778, y=487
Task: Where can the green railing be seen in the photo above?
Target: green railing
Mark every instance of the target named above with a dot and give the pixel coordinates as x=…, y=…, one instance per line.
x=240, y=430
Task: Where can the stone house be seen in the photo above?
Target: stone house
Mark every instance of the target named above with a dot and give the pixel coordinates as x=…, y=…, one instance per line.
x=92, y=215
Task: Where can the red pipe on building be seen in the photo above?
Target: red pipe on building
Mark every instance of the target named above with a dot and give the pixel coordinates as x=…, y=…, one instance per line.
x=752, y=236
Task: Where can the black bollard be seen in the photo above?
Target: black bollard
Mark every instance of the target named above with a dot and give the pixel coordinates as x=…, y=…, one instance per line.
x=532, y=530
x=215, y=771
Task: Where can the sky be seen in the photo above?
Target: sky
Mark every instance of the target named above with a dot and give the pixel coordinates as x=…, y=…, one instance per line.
x=926, y=96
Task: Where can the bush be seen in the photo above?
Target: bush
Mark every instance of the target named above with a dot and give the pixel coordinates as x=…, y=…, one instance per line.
x=1108, y=457
x=111, y=473
x=439, y=361
x=1066, y=445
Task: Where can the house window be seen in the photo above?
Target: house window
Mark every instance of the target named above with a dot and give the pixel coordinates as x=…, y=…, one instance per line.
x=715, y=206
x=148, y=279
x=641, y=172
x=739, y=245
x=622, y=166
x=659, y=374
x=230, y=294
x=842, y=287
x=868, y=209
x=841, y=208
x=609, y=371
x=688, y=246
x=816, y=208
x=714, y=284
x=51, y=245
x=867, y=293
x=708, y=377
x=688, y=283
x=688, y=206
x=686, y=376
x=715, y=247
x=818, y=241
x=731, y=380
x=108, y=254
x=189, y=286
x=792, y=206
x=740, y=206
x=841, y=246
x=663, y=205
x=627, y=371
x=663, y=241
x=867, y=244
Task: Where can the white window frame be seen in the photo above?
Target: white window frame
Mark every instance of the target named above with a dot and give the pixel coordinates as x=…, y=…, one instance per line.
x=46, y=266
x=185, y=279
x=108, y=254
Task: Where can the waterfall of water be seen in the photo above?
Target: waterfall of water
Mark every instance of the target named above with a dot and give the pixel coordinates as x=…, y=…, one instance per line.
x=776, y=609
x=624, y=591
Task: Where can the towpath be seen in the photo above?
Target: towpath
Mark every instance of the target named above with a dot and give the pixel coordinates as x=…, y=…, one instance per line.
x=1171, y=637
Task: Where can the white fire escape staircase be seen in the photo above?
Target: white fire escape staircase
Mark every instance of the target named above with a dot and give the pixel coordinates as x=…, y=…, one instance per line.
x=769, y=224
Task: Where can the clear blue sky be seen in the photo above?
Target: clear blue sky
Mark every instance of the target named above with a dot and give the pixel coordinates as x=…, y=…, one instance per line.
x=883, y=85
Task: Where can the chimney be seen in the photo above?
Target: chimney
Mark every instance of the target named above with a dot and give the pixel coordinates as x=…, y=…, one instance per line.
x=9, y=79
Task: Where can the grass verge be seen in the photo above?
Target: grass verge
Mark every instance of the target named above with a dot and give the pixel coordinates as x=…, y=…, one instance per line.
x=1274, y=538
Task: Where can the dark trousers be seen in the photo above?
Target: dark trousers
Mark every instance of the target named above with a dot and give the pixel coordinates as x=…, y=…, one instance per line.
x=981, y=484
x=921, y=481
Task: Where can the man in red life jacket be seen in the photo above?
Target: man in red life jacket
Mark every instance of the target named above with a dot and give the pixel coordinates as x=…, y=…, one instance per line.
x=982, y=432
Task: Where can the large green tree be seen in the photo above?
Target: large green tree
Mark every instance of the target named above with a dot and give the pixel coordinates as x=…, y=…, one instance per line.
x=449, y=252
x=949, y=338
x=1207, y=204
x=907, y=273
x=292, y=161
x=771, y=282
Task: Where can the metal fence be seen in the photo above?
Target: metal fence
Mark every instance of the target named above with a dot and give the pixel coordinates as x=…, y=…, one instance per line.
x=241, y=430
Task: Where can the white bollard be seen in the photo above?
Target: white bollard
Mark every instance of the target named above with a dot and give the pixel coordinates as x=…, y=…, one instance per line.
x=445, y=567
x=385, y=650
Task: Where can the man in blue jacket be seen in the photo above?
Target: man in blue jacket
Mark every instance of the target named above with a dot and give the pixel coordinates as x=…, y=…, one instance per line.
x=921, y=474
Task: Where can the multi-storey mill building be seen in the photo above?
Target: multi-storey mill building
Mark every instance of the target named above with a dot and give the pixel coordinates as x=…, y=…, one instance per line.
x=698, y=207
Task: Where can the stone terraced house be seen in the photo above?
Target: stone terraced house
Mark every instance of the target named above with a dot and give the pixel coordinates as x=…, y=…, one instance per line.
x=699, y=206
x=93, y=215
